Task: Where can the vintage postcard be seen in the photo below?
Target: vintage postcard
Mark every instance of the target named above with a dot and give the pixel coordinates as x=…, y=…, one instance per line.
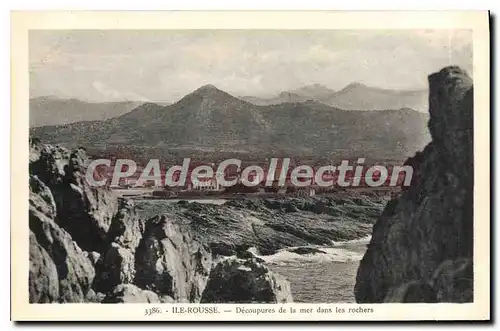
x=246, y=166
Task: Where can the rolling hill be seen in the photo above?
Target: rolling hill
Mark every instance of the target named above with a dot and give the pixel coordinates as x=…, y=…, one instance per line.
x=357, y=96
x=49, y=110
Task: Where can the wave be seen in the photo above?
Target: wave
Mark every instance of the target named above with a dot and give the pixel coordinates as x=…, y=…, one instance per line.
x=345, y=251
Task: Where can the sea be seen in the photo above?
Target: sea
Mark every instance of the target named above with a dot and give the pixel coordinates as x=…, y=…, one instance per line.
x=321, y=278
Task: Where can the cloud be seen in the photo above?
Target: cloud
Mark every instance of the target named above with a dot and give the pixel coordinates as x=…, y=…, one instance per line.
x=165, y=64
x=115, y=95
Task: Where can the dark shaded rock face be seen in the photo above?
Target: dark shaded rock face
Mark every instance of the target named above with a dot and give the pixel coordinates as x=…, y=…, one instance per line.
x=171, y=262
x=411, y=292
x=422, y=245
x=453, y=281
x=235, y=280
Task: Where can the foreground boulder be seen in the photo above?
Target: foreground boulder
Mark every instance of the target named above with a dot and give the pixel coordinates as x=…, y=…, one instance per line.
x=43, y=278
x=235, y=280
x=431, y=223
x=170, y=261
x=128, y=293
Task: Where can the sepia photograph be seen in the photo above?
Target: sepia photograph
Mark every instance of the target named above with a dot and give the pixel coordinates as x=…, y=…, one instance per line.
x=254, y=167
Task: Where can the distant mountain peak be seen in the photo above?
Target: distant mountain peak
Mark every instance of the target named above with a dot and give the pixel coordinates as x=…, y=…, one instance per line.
x=287, y=94
x=207, y=88
x=314, y=89
x=209, y=91
x=49, y=97
x=211, y=94
x=354, y=85
x=315, y=85
x=358, y=87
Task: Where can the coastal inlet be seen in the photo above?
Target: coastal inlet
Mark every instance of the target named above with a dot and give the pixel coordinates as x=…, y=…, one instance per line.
x=315, y=243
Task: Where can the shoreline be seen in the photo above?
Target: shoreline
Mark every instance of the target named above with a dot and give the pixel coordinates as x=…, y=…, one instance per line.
x=271, y=225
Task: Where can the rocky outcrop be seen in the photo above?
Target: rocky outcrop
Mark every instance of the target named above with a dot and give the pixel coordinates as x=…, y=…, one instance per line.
x=83, y=211
x=128, y=293
x=93, y=257
x=169, y=261
x=117, y=264
x=115, y=267
x=235, y=280
x=43, y=278
x=84, y=241
x=126, y=227
x=422, y=244
x=56, y=249
x=88, y=246
x=306, y=250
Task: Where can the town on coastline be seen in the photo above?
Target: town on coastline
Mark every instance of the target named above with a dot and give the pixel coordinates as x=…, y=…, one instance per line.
x=210, y=186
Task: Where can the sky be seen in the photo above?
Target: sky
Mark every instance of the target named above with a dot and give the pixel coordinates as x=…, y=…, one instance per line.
x=165, y=65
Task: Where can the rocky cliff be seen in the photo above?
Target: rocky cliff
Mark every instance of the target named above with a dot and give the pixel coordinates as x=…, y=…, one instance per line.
x=422, y=245
x=171, y=261
x=88, y=246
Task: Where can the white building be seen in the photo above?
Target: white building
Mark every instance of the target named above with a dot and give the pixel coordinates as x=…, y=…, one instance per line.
x=207, y=185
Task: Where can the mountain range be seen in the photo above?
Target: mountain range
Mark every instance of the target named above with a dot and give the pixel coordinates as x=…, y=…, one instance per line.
x=211, y=119
x=355, y=96
x=51, y=110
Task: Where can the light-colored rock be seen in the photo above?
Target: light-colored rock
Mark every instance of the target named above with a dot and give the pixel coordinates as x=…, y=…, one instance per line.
x=126, y=227
x=94, y=297
x=128, y=293
x=93, y=257
x=75, y=272
x=41, y=198
x=117, y=266
x=169, y=261
x=48, y=163
x=166, y=299
x=235, y=280
x=43, y=280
